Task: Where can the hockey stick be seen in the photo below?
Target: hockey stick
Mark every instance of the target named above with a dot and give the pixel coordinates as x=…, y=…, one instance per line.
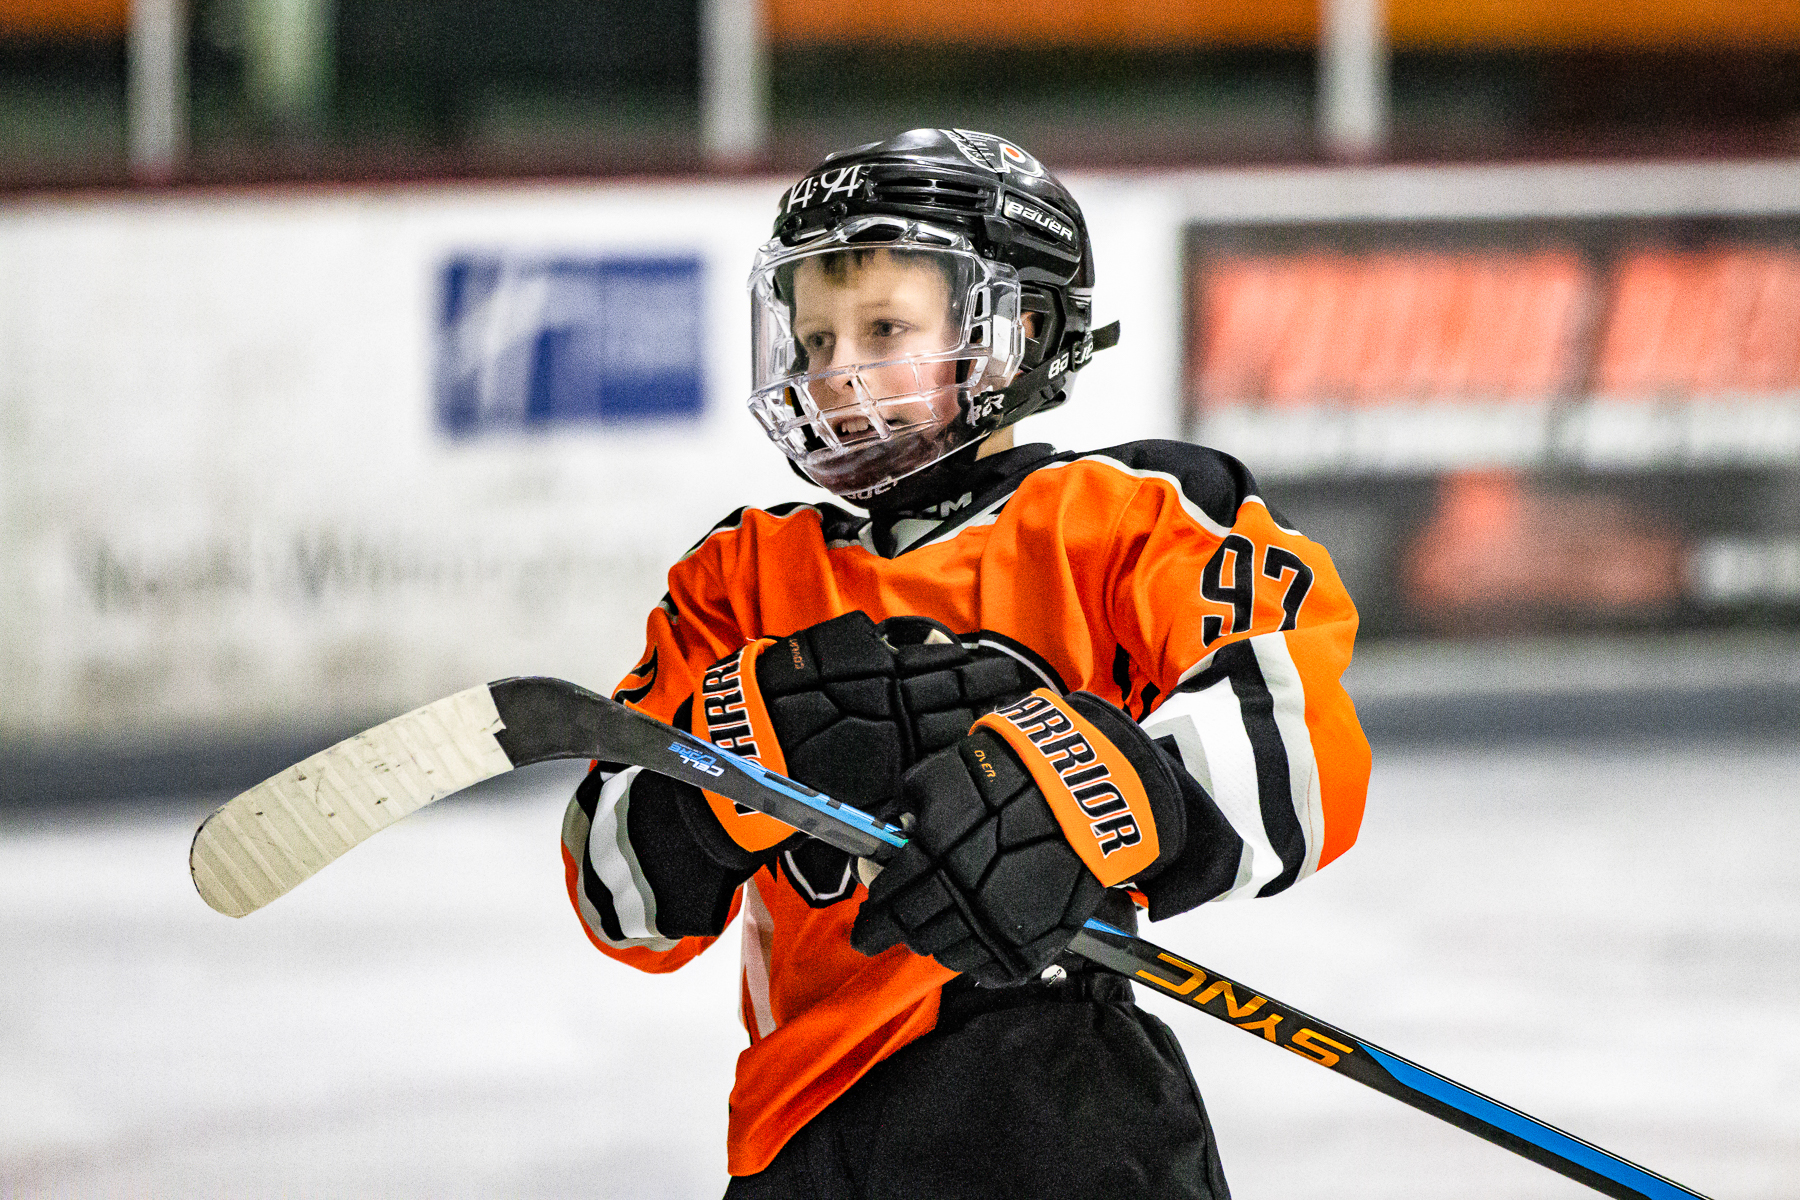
x=273, y=837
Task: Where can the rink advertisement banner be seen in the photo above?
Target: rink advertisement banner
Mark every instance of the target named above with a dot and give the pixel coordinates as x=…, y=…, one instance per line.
x=1529, y=425
x=528, y=342
x=308, y=459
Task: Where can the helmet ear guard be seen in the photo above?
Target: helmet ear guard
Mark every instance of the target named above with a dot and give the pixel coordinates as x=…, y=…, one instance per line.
x=1049, y=324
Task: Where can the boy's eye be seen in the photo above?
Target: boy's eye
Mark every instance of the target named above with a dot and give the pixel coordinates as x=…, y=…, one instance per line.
x=886, y=328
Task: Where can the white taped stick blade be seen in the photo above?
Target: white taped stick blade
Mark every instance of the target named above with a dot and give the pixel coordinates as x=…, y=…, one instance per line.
x=267, y=841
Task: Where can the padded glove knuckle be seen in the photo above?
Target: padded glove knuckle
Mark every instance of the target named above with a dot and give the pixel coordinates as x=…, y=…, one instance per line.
x=995, y=907
x=976, y=851
x=942, y=785
x=1016, y=825
x=870, y=698
x=803, y=716
x=918, y=905
x=938, y=691
x=1029, y=889
x=853, y=704
x=1022, y=824
x=939, y=731
x=846, y=706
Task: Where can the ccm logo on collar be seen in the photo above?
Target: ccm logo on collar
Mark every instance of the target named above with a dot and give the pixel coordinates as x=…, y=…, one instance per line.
x=1093, y=790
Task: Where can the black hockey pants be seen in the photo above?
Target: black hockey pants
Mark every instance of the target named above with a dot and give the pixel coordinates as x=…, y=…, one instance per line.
x=1032, y=1093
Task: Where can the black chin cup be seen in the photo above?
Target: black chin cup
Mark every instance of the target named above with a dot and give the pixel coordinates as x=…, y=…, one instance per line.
x=928, y=486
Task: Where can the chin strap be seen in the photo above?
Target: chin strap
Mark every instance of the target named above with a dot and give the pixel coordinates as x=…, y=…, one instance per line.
x=1022, y=397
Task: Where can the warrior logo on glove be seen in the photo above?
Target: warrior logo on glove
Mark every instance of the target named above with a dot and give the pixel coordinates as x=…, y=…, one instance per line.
x=1020, y=829
x=729, y=721
x=1097, y=798
x=734, y=716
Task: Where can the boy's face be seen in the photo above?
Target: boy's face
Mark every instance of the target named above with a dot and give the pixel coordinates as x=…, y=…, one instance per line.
x=873, y=306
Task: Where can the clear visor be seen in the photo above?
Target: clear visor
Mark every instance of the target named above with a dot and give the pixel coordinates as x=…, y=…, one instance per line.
x=869, y=343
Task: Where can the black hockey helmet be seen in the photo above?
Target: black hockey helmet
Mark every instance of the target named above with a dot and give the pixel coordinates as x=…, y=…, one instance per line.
x=1010, y=239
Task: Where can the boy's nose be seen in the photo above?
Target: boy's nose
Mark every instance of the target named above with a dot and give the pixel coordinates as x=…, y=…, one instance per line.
x=833, y=391
x=844, y=353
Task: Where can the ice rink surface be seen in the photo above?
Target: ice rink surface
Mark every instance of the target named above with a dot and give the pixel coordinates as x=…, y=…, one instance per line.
x=1607, y=937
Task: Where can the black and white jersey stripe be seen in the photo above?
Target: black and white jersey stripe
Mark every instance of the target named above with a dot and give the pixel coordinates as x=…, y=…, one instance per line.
x=1238, y=721
x=615, y=898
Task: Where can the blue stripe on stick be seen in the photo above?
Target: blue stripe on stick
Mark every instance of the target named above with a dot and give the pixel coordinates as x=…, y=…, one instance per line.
x=856, y=818
x=1653, y=1187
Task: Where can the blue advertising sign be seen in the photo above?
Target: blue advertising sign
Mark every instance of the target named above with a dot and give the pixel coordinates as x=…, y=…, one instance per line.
x=529, y=343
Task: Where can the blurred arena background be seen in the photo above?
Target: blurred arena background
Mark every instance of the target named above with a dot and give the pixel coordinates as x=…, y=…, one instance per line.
x=353, y=352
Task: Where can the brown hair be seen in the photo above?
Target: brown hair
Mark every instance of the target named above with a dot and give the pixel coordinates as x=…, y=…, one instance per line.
x=837, y=264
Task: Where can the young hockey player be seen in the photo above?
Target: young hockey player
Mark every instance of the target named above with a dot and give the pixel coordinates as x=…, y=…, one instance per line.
x=1163, y=651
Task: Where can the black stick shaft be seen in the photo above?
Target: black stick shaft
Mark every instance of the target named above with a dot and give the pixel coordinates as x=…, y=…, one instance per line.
x=1370, y=1065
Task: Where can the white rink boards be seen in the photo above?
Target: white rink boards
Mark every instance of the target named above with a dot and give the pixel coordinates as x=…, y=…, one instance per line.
x=1602, y=937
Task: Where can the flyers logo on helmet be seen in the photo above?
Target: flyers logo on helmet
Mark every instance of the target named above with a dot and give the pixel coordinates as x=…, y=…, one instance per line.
x=1018, y=160
x=986, y=150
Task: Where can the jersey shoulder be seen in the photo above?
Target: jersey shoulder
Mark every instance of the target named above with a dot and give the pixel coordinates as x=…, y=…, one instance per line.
x=835, y=524
x=749, y=542
x=1211, y=480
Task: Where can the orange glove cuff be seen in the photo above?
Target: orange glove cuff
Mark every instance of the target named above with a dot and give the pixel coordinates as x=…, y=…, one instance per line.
x=1091, y=786
x=729, y=712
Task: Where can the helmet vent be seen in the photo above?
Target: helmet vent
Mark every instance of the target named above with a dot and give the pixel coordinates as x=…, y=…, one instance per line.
x=923, y=191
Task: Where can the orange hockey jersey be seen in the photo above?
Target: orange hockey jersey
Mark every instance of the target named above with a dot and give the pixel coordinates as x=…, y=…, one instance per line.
x=1150, y=574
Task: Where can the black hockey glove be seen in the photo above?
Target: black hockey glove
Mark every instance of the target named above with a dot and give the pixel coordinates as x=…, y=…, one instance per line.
x=850, y=704
x=845, y=706
x=1019, y=829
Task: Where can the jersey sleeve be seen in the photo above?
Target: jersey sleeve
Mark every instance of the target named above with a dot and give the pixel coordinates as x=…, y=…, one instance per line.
x=645, y=896
x=645, y=893
x=1234, y=631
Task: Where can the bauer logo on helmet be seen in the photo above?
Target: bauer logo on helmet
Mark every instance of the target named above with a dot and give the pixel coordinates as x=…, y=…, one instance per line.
x=1037, y=216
